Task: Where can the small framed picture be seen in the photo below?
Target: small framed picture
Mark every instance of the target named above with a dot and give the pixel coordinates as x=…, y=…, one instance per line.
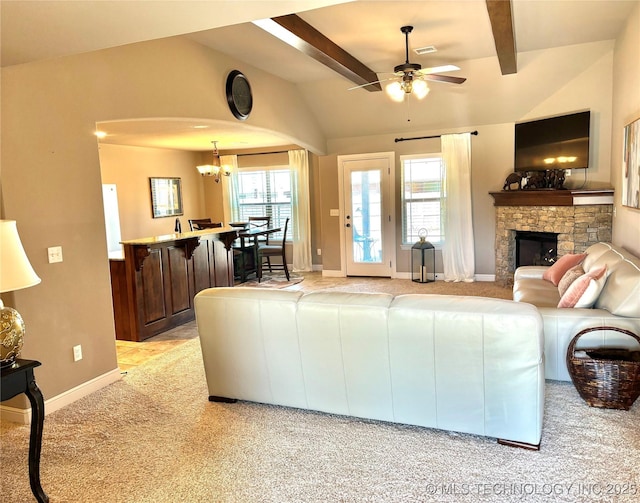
x=631, y=165
x=166, y=197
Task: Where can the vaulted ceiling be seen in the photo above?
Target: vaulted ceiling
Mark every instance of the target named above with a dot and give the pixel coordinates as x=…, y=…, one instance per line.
x=369, y=31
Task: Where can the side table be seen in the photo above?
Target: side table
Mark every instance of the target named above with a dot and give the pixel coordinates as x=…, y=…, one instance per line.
x=18, y=379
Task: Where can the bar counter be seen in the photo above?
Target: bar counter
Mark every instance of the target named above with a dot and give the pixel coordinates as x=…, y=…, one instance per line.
x=153, y=284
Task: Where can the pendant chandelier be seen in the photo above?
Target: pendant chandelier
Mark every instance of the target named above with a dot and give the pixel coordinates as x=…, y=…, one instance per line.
x=214, y=169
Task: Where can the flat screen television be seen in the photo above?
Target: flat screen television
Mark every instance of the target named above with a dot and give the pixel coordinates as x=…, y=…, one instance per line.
x=554, y=143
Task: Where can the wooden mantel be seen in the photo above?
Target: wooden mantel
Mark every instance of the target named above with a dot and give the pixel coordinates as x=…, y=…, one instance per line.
x=553, y=197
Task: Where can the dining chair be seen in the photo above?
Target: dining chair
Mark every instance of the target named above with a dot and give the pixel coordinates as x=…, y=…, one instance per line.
x=261, y=223
x=194, y=223
x=279, y=250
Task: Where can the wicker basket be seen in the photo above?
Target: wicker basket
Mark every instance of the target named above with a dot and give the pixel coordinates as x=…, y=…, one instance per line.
x=605, y=377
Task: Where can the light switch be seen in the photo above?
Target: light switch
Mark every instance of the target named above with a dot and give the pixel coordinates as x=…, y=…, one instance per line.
x=55, y=254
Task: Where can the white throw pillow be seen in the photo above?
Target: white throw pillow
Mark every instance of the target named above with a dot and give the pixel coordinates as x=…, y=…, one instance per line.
x=584, y=291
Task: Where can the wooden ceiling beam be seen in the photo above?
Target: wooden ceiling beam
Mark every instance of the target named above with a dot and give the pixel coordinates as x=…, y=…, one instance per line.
x=501, y=19
x=296, y=32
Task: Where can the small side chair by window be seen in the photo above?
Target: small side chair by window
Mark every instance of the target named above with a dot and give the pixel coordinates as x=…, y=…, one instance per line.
x=279, y=250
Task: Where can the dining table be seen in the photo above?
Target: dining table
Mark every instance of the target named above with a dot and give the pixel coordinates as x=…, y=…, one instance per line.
x=247, y=262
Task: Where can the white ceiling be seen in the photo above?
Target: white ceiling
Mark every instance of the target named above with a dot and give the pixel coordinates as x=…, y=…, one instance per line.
x=368, y=30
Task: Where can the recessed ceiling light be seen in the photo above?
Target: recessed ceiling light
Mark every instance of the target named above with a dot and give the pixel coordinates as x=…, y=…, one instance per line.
x=425, y=50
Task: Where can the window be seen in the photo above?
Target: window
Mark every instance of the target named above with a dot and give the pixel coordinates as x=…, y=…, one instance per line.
x=422, y=193
x=265, y=192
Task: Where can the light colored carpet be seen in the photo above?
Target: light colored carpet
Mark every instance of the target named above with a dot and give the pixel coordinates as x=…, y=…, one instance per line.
x=154, y=437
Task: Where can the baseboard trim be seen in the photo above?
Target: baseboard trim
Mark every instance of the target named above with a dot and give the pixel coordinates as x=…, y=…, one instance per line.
x=333, y=273
x=485, y=277
x=23, y=416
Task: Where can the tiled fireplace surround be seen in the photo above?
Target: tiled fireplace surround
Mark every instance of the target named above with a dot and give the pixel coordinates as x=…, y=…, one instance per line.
x=578, y=225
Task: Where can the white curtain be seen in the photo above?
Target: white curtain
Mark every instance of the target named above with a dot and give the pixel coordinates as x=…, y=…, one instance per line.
x=229, y=189
x=301, y=220
x=458, y=255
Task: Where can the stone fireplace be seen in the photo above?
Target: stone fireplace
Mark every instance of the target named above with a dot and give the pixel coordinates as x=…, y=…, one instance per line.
x=579, y=218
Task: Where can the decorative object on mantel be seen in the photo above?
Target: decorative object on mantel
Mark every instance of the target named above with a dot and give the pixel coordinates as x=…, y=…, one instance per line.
x=511, y=179
x=214, y=169
x=550, y=179
x=15, y=273
x=631, y=165
x=533, y=180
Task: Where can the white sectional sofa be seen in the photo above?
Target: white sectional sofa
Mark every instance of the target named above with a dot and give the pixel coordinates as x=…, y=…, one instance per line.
x=466, y=364
x=617, y=305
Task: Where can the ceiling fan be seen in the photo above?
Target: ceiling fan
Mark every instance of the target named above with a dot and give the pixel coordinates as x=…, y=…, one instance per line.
x=410, y=78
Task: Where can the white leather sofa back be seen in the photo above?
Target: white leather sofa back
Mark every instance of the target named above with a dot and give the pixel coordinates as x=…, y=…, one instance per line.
x=618, y=305
x=466, y=364
x=621, y=293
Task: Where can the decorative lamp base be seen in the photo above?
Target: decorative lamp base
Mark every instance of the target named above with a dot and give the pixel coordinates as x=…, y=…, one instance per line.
x=11, y=335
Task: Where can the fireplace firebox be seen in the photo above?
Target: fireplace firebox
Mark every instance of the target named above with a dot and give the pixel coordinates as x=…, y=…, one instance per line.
x=536, y=248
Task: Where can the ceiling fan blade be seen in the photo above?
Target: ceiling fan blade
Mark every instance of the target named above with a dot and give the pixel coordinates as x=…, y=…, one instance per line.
x=438, y=69
x=367, y=84
x=444, y=78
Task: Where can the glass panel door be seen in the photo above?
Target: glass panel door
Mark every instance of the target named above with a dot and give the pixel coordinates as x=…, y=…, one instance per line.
x=367, y=220
x=366, y=212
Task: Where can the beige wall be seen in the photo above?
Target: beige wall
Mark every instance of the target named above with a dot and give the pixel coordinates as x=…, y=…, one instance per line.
x=51, y=179
x=626, y=108
x=130, y=168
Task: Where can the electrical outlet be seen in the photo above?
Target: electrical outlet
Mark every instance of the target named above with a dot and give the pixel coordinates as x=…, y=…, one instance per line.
x=319, y=251
x=77, y=353
x=55, y=254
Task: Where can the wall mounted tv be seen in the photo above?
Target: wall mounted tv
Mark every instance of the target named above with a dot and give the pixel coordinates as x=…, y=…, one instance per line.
x=554, y=143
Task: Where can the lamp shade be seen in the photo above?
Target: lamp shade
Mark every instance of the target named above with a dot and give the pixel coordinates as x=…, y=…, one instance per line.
x=15, y=270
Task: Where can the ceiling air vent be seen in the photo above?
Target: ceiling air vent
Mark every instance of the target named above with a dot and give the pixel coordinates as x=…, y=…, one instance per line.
x=425, y=50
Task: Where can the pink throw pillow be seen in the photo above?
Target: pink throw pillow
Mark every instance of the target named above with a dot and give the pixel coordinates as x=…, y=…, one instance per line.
x=584, y=291
x=561, y=266
x=569, y=277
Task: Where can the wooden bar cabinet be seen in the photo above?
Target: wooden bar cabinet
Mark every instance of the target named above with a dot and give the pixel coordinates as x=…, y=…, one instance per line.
x=154, y=284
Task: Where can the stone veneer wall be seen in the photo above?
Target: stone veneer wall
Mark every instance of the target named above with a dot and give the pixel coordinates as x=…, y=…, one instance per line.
x=578, y=227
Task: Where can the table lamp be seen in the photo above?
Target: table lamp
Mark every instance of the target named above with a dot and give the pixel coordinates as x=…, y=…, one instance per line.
x=15, y=273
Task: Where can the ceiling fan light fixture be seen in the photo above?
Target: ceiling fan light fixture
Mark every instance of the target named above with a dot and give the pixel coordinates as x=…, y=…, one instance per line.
x=420, y=88
x=395, y=91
